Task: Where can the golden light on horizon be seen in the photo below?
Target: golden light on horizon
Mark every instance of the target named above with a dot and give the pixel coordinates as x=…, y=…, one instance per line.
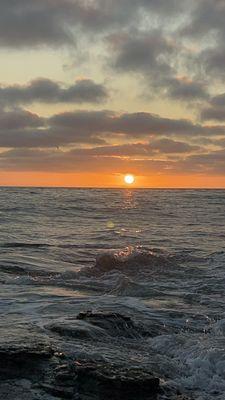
x=129, y=179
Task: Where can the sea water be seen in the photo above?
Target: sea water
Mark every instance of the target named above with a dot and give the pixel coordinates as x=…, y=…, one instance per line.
x=156, y=256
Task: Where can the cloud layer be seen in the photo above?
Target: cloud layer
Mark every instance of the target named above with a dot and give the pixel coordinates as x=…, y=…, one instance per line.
x=157, y=52
x=47, y=91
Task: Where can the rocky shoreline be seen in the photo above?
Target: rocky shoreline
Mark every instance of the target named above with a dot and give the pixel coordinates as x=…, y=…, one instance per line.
x=31, y=368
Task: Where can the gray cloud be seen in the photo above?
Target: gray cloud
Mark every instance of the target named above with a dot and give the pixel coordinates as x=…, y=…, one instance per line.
x=185, y=89
x=48, y=91
x=216, y=110
x=21, y=128
x=19, y=119
x=213, y=113
x=208, y=163
x=169, y=146
x=162, y=146
x=154, y=57
x=212, y=61
x=30, y=23
x=70, y=161
x=131, y=124
x=75, y=161
x=218, y=100
x=146, y=52
x=53, y=22
x=45, y=138
x=207, y=17
x=206, y=26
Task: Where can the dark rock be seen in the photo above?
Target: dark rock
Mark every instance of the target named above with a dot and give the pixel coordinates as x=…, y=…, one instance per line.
x=60, y=391
x=38, y=351
x=168, y=393
x=77, y=329
x=115, y=324
x=108, y=382
x=23, y=352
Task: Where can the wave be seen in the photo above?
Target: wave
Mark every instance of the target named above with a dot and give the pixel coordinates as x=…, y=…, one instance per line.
x=131, y=260
x=22, y=245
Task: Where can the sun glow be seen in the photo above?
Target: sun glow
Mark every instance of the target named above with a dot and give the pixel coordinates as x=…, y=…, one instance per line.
x=129, y=179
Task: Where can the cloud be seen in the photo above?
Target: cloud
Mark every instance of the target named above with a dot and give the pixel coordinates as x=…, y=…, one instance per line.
x=19, y=119
x=154, y=58
x=84, y=161
x=70, y=161
x=211, y=163
x=169, y=146
x=141, y=52
x=212, y=60
x=28, y=23
x=155, y=147
x=21, y=128
x=131, y=124
x=47, y=91
x=216, y=109
x=218, y=100
x=207, y=17
x=213, y=113
x=206, y=27
x=186, y=89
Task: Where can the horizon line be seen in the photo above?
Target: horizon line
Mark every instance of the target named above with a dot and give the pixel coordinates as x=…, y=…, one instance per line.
x=111, y=187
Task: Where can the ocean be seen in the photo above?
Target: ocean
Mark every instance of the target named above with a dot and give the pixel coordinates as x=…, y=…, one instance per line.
x=155, y=257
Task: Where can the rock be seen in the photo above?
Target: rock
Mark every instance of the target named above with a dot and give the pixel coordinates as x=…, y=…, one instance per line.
x=108, y=382
x=25, y=384
x=22, y=361
x=60, y=391
x=100, y=381
x=115, y=324
x=23, y=352
x=168, y=393
x=77, y=330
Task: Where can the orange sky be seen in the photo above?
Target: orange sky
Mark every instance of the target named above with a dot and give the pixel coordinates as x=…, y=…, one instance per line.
x=102, y=180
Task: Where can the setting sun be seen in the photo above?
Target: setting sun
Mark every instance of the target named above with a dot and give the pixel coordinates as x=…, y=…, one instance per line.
x=129, y=179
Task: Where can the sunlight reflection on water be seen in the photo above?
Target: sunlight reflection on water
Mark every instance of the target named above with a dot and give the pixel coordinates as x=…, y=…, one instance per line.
x=129, y=201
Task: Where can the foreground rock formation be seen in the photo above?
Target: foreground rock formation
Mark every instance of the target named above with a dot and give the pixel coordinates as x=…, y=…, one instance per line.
x=32, y=368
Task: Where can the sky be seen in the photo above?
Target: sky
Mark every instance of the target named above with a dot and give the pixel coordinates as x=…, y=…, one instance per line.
x=91, y=90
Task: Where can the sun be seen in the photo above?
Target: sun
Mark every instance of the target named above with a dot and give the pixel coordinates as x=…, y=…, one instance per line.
x=129, y=179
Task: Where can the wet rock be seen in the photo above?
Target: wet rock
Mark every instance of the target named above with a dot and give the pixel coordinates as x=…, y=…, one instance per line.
x=108, y=382
x=100, y=381
x=22, y=361
x=62, y=392
x=22, y=352
x=115, y=324
x=27, y=352
x=167, y=393
x=14, y=390
x=77, y=330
